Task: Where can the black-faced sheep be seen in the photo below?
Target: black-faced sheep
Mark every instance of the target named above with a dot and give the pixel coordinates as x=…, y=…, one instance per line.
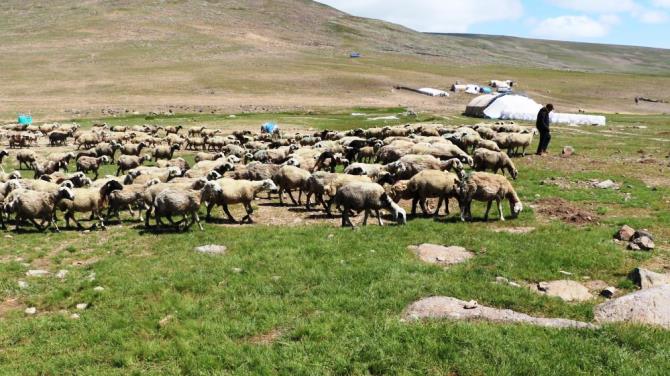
x=3, y=154
x=129, y=162
x=31, y=205
x=165, y=151
x=133, y=149
x=366, y=197
x=289, y=178
x=88, y=200
x=88, y=164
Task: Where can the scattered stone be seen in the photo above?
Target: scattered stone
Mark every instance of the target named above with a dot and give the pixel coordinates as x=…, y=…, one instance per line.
x=634, y=247
x=82, y=306
x=8, y=236
x=62, y=274
x=647, y=279
x=569, y=291
x=30, y=311
x=91, y=277
x=643, y=233
x=37, y=273
x=649, y=306
x=441, y=255
x=471, y=304
x=608, y=292
x=564, y=272
x=502, y=280
x=98, y=289
x=212, y=249
x=276, y=278
x=567, y=151
x=237, y=270
x=74, y=316
x=515, y=230
x=514, y=284
x=23, y=284
x=438, y=307
x=330, y=236
x=165, y=320
x=643, y=243
x=606, y=184
x=625, y=233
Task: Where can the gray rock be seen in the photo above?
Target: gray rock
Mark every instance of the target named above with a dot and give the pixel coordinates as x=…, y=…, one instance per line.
x=37, y=273
x=30, y=311
x=502, y=280
x=62, y=274
x=648, y=279
x=643, y=243
x=212, y=249
x=649, y=306
x=82, y=306
x=472, y=304
x=606, y=184
x=625, y=233
x=22, y=284
x=98, y=289
x=570, y=291
x=567, y=151
x=441, y=255
x=441, y=307
x=634, y=247
x=641, y=233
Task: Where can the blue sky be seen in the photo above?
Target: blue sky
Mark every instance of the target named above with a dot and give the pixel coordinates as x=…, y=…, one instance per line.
x=632, y=22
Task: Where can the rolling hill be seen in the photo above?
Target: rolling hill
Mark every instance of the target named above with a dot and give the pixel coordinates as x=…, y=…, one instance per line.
x=280, y=54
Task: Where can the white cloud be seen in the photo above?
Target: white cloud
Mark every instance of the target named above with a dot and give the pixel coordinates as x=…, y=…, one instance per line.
x=574, y=27
x=652, y=17
x=661, y=3
x=640, y=12
x=433, y=15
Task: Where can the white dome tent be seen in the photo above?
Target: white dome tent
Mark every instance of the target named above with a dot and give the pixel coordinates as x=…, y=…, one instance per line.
x=519, y=107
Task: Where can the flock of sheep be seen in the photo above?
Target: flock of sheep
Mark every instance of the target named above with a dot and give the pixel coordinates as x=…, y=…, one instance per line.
x=381, y=166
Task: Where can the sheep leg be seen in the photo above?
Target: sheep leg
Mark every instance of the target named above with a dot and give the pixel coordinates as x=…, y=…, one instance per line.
x=118, y=170
x=415, y=200
x=500, y=209
x=250, y=210
x=197, y=220
x=379, y=218
x=345, y=218
x=439, y=206
x=365, y=217
x=308, y=200
x=37, y=226
x=291, y=196
x=79, y=226
x=300, y=197
x=422, y=202
x=281, y=196
x=488, y=208
x=210, y=206
x=230, y=216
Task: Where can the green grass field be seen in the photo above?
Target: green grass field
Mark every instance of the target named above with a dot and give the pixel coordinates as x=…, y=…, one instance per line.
x=317, y=299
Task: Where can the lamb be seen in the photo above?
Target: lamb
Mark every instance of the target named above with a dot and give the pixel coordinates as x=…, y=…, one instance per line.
x=485, y=159
x=366, y=196
x=88, y=164
x=433, y=184
x=172, y=129
x=165, y=152
x=486, y=144
x=26, y=157
x=4, y=177
x=289, y=178
x=33, y=205
x=88, y=200
x=3, y=154
x=234, y=192
x=128, y=162
x=129, y=196
x=519, y=140
x=177, y=162
x=58, y=138
x=203, y=156
x=133, y=149
x=48, y=167
x=108, y=149
x=483, y=186
x=174, y=201
x=195, y=131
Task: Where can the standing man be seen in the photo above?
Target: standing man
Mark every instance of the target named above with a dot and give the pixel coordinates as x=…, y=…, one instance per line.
x=542, y=125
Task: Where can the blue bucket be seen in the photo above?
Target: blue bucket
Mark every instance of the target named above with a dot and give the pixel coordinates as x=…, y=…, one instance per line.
x=268, y=128
x=25, y=119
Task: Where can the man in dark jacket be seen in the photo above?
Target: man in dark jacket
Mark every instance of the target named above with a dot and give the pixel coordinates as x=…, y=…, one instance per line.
x=542, y=125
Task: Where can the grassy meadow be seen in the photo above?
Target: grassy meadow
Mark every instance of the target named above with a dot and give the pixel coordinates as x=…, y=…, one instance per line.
x=318, y=299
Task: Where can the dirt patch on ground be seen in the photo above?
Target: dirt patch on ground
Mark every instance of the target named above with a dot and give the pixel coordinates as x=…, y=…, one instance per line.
x=266, y=338
x=558, y=208
x=8, y=305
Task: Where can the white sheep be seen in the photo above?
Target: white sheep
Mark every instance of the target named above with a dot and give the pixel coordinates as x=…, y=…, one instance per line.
x=485, y=159
x=174, y=201
x=31, y=205
x=228, y=192
x=486, y=187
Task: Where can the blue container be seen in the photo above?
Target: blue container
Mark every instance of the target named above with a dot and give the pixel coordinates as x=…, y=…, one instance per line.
x=486, y=90
x=269, y=128
x=25, y=119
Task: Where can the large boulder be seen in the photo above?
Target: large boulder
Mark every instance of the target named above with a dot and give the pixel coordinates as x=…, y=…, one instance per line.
x=568, y=290
x=647, y=279
x=625, y=233
x=442, y=307
x=441, y=255
x=649, y=306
